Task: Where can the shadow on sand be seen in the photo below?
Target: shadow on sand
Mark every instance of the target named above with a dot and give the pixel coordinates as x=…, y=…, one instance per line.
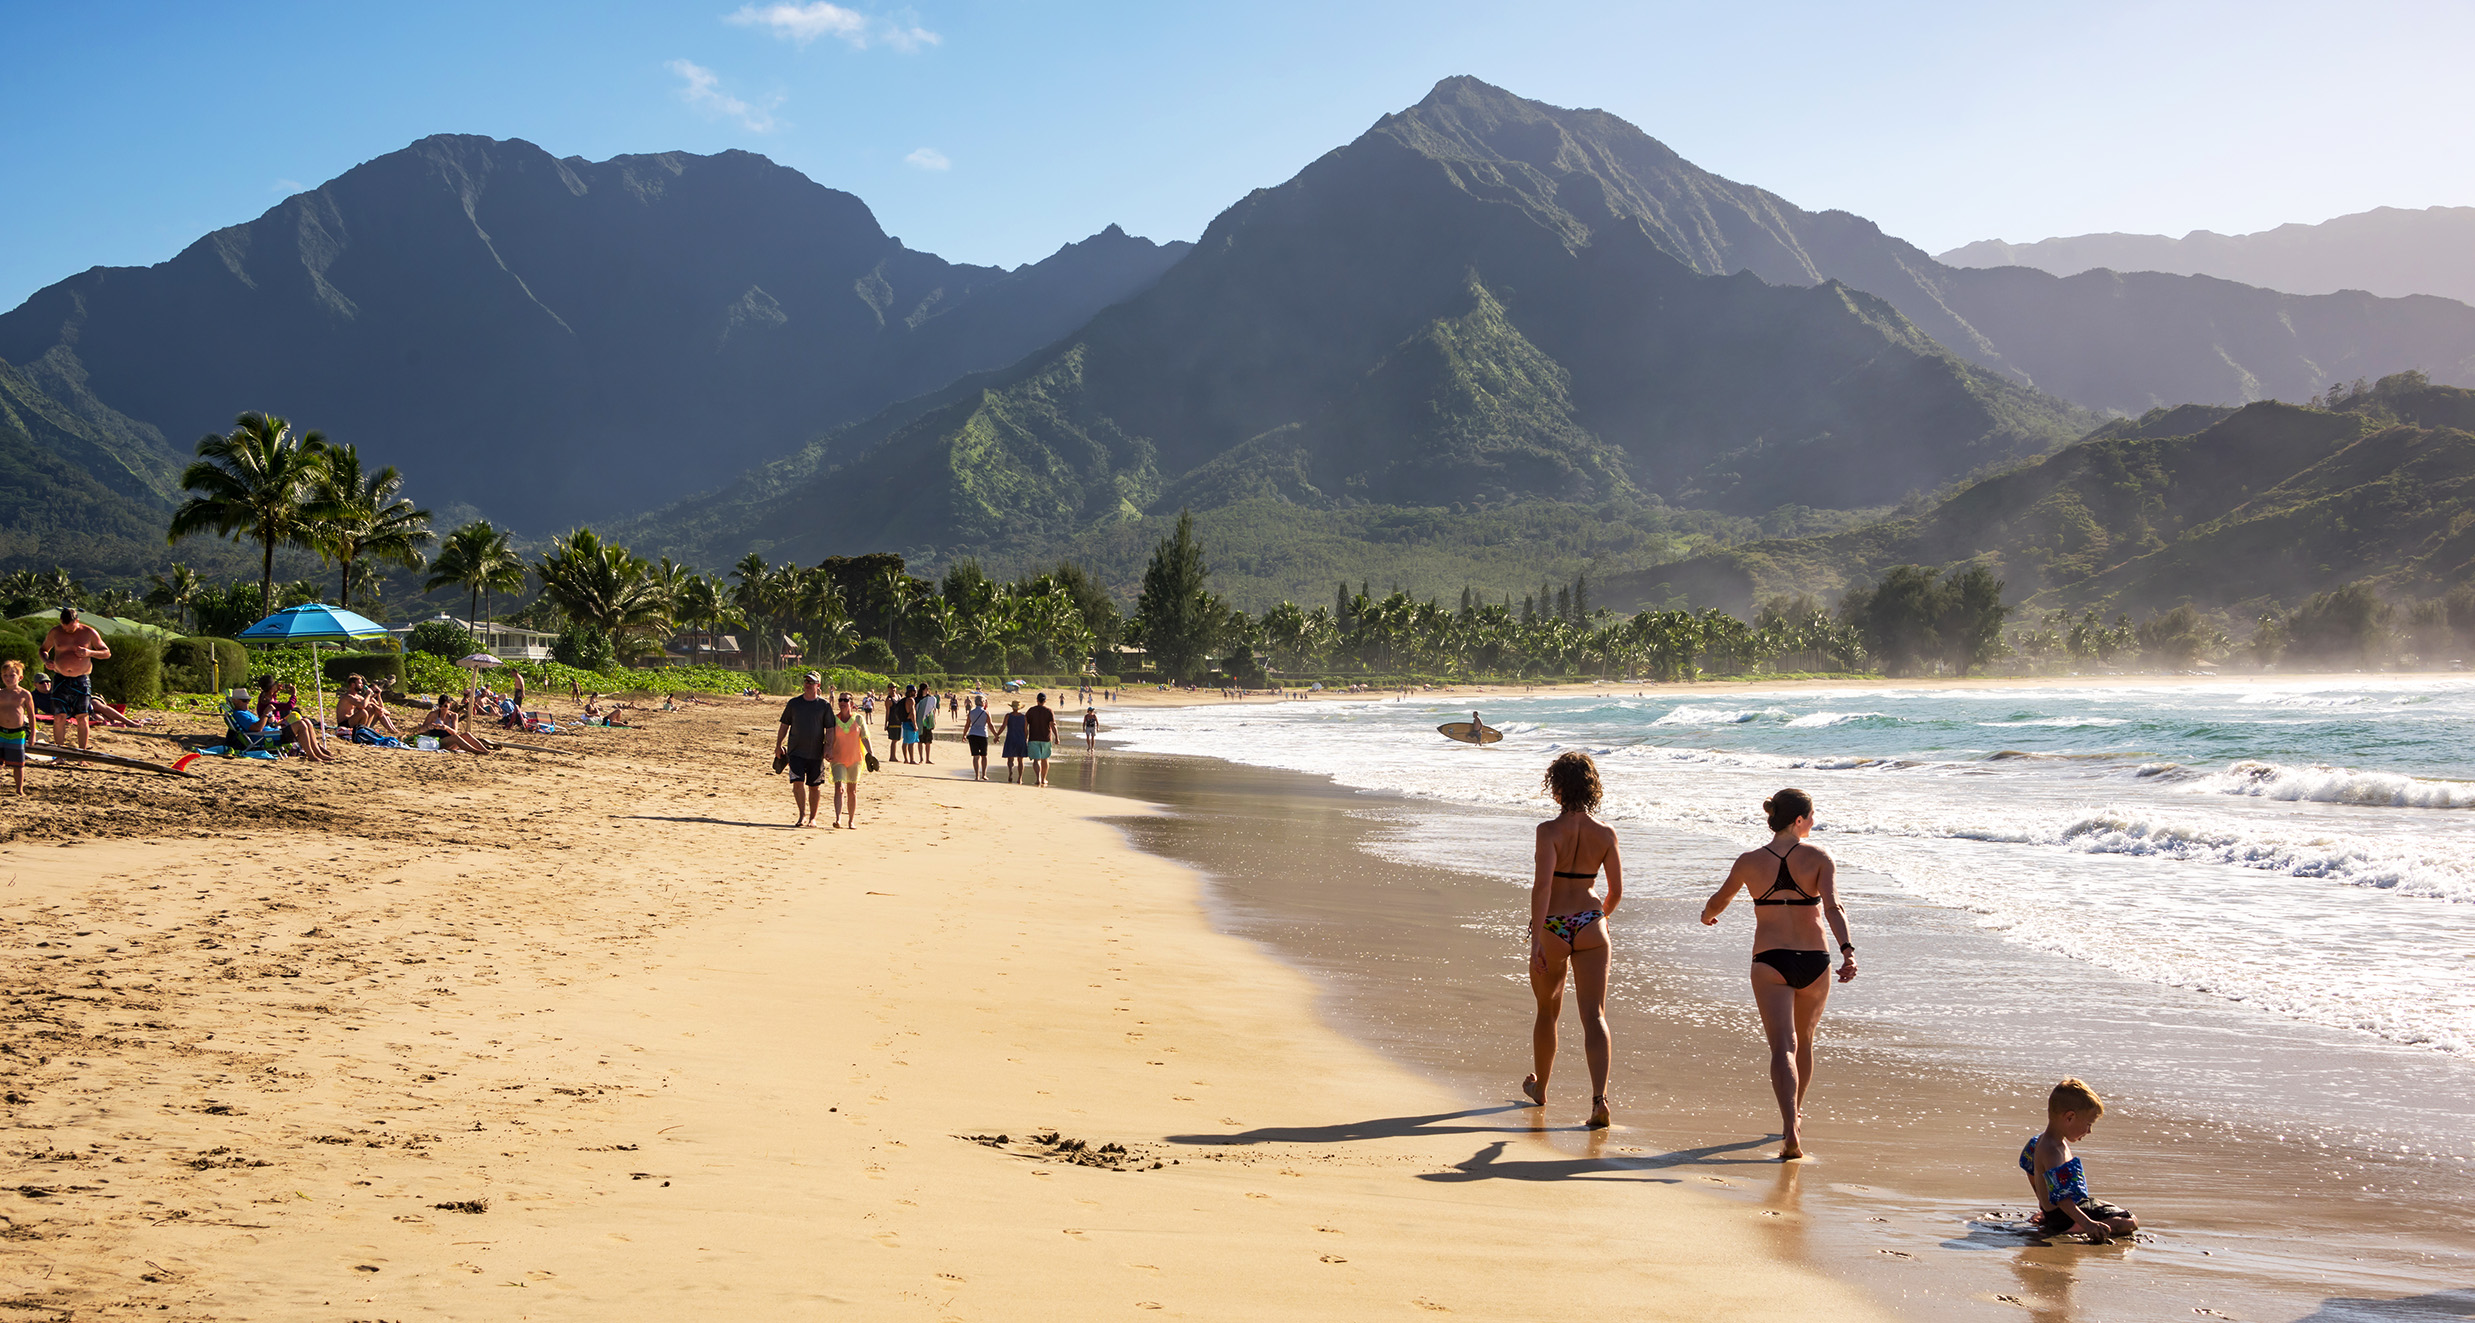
x=1489, y=1162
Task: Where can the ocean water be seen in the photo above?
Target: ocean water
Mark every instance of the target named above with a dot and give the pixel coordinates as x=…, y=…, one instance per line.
x=2302, y=851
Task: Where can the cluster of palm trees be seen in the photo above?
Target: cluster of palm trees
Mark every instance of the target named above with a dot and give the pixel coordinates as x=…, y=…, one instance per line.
x=1400, y=635
x=266, y=483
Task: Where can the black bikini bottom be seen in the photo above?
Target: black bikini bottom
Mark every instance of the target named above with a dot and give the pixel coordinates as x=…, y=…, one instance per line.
x=1799, y=968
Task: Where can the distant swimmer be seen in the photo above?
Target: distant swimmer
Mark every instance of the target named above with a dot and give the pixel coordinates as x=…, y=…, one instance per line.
x=1800, y=889
x=1568, y=926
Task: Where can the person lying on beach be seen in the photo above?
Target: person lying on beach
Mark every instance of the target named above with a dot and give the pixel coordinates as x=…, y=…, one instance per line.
x=16, y=721
x=2063, y=1203
x=441, y=722
x=279, y=707
x=1800, y=889
x=1567, y=927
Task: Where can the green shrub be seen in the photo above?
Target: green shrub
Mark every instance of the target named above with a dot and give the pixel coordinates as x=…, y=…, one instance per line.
x=133, y=675
x=874, y=655
x=386, y=668
x=440, y=638
x=29, y=651
x=585, y=648
x=191, y=665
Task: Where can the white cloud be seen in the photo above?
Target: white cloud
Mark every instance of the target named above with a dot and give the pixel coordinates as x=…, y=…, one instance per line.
x=929, y=158
x=702, y=89
x=288, y=187
x=801, y=24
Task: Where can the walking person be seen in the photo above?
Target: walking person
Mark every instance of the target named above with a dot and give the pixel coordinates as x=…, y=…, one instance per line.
x=846, y=748
x=799, y=746
x=1091, y=731
x=1568, y=927
x=70, y=651
x=1017, y=744
x=975, y=729
x=926, y=719
x=1040, y=726
x=893, y=722
x=1799, y=891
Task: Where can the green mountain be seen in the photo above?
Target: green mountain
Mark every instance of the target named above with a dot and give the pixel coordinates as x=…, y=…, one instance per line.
x=2209, y=506
x=1418, y=320
x=555, y=339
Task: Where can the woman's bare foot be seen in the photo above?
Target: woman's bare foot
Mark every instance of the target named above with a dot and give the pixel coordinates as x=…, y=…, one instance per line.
x=1600, y=1117
x=1791, y=1150
x=1534, y=1091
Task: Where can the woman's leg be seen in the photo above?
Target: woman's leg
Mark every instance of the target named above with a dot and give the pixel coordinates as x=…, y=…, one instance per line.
x=1777, y=1003
x=1590, y=964
x=1547, y=961
x=1809, y=1001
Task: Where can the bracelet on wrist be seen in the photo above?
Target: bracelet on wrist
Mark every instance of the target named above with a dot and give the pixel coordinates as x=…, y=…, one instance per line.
x=1847, y=949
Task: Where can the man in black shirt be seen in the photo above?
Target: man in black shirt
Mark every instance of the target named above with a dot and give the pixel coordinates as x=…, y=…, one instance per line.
x=1040, y=728
x=799, y=745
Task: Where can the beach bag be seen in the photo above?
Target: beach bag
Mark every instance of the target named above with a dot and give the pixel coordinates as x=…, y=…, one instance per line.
x=426, y=743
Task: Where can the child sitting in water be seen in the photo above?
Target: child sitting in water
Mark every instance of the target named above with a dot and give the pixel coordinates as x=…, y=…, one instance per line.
x=2063, y=1202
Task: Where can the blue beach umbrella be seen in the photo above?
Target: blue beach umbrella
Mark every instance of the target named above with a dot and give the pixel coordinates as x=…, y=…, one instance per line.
x=314, y=624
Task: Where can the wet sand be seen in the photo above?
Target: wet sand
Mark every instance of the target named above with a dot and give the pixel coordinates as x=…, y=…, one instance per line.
x=2289, y=1172
x=594, y=1034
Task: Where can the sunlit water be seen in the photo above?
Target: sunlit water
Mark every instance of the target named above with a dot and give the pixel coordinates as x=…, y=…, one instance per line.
x=2306, y=850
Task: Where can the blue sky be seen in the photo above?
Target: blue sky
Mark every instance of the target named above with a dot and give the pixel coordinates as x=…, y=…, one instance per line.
x=995, y=130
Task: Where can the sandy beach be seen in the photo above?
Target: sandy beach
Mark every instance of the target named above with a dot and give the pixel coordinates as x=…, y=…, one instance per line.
x=593, y=1034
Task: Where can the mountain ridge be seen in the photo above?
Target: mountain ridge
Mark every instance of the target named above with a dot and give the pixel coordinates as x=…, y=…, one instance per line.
x=553, y=329
x=2393, y=252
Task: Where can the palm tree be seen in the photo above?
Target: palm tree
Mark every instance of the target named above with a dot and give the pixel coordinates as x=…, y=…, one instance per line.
x=704, y=606
x=177, y=590
x=362, y=518
x=253, y=482
x=476, y=557
x=893, y=588
x=603, y=585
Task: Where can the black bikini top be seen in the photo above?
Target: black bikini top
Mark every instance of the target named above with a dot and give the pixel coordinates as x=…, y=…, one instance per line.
x=1788, y=881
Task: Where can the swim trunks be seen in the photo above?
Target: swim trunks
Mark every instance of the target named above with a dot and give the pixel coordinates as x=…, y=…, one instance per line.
x=1040, y=750
x=806, y=771
x=13, y=746
x=73, y=695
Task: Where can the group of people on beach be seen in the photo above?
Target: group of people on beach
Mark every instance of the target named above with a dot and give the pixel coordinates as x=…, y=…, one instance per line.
x=816, y=739
x=1794, y=889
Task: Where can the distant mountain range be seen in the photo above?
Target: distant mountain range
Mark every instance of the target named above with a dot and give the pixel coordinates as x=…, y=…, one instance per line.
x=1489, y=338
x=2205, y=504
x=2388, y=250
x=554, y=340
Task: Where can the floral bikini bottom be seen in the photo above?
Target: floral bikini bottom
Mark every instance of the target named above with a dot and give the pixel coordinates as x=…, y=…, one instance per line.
x=1566, y=927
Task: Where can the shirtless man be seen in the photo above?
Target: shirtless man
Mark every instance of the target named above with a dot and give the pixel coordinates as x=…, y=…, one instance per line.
x=70, y=651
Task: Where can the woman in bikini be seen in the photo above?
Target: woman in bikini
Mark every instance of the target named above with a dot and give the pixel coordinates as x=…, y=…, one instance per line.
x=1568, y=926
x=1794, y=888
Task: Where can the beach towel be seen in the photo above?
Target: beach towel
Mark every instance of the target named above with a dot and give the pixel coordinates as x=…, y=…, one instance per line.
x=367, y=735
x=226, y=751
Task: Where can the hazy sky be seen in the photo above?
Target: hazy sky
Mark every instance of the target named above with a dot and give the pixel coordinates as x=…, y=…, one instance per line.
x=993, y=131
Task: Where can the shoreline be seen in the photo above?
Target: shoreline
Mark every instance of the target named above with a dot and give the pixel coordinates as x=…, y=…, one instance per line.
x=1914, y=1121
x=596, y=1029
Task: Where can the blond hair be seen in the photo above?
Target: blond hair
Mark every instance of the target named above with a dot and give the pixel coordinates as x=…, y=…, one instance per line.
x=13, y=670
x=2073, y=1096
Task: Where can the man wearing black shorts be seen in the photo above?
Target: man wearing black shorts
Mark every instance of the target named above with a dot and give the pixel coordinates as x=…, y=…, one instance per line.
x=799, y=746
x=70, y=651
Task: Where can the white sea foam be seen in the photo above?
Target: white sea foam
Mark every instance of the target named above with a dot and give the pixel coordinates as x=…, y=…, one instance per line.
x=1692, y=714
x=2340, y=785
x=1816, y=720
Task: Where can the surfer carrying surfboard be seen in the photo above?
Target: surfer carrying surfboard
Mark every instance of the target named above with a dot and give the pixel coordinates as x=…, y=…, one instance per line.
x=1568, y=926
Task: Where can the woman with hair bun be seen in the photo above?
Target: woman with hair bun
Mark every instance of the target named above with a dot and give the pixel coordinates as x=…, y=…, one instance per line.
x=1567, y=926
x=1799, y=889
